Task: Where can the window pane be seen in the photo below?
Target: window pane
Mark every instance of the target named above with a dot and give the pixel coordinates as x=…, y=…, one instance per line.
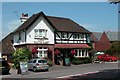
x=36, y=33
x=45, y=53
x=40, y=33
x=76, y=52
x=82, y=52
x=34, y=61
x=62, y=35
x=42, y=61
x=40, y=54
x=44, y=33
x=45, y=61
x=79, y=52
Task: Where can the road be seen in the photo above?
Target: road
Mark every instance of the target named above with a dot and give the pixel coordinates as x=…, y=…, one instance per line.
x=59, y=72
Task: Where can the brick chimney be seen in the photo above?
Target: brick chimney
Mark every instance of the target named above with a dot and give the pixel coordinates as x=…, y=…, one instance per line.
x=24, y=17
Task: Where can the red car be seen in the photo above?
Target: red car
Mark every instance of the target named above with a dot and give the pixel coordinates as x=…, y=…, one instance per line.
x=107, y=57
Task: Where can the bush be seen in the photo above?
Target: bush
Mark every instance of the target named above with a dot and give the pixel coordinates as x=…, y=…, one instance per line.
x=21, y=54
x=87, y=60
x=77, y=61
x=81, y=60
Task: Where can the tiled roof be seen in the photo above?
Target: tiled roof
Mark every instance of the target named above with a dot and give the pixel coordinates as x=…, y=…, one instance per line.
x=97, y=34
x=103, y=44
x=66, y=24
x=58, y=23
x=93, y=38
x=113, y=36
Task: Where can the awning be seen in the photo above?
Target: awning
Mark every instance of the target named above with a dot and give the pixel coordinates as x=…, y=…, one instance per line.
x=72, y=46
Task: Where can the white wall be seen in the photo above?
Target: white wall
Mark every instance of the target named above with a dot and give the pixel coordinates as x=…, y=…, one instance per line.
x=41, y=23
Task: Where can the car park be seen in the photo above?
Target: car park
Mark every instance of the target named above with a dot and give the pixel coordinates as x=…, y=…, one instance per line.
x=106, y=57
x=38, y=64
x=4, y=66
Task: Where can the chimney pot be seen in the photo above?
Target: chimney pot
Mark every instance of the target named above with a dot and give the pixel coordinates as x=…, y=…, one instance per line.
x=22, y=14
x=24, y=17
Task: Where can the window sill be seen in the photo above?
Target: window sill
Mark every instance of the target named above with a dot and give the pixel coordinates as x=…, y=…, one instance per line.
x=40, y=38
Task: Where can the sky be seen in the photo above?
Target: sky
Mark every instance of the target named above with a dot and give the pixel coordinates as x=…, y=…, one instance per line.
x=94, y=16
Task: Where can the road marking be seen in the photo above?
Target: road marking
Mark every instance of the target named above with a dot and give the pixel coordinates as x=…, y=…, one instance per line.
x=41, y=72
x=112, y=62
x=78, y=74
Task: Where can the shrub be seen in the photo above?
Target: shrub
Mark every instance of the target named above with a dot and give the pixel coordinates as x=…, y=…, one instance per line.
x=86, y=60
x=81, y=60
x=21, y=54
x=77, y=61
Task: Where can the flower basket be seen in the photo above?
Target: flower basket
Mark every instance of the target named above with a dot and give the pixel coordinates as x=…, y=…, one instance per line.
x=73, y=52
x=57, y=52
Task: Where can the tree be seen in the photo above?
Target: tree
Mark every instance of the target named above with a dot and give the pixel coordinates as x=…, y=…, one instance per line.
x=114, y=49
x=21, y=54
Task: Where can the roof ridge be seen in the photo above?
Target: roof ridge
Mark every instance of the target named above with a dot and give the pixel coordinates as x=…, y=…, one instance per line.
x=57, y=17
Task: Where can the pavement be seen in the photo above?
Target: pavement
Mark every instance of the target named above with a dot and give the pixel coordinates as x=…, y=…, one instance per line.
x=93, y=71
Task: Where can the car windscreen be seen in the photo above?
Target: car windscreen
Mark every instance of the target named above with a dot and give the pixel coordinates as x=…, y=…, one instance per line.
x=34, y=61
x=42, y=61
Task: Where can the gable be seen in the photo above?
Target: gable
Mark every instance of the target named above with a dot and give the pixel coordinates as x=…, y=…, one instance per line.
x=103, y=44
x=40, y=24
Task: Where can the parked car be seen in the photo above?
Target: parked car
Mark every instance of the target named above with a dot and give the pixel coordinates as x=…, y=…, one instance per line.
x=38, y=64
x=107, y=57
x=4, y=67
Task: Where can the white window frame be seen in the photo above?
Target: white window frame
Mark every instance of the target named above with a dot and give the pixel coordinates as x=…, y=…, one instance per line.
x=43, y=52
x=81, y=53
x=40, y=33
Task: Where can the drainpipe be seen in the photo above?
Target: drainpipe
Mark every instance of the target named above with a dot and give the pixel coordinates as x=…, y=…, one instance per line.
x=25, y=35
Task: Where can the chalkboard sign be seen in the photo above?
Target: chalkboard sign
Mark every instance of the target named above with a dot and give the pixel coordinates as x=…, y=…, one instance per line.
x=24, y=67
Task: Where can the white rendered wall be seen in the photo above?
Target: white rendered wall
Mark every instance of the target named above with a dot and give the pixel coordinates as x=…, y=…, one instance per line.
x=41, y=23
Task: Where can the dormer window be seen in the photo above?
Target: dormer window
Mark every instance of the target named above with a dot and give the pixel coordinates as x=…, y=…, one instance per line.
x=40, y=33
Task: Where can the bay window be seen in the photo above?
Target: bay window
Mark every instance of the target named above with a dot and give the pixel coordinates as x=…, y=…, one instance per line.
x=81, y=53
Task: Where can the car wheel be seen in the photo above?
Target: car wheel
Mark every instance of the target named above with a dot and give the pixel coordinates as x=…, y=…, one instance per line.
x=34, y=69
x=47, y=69
x=115, y=60
x=110, y=60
